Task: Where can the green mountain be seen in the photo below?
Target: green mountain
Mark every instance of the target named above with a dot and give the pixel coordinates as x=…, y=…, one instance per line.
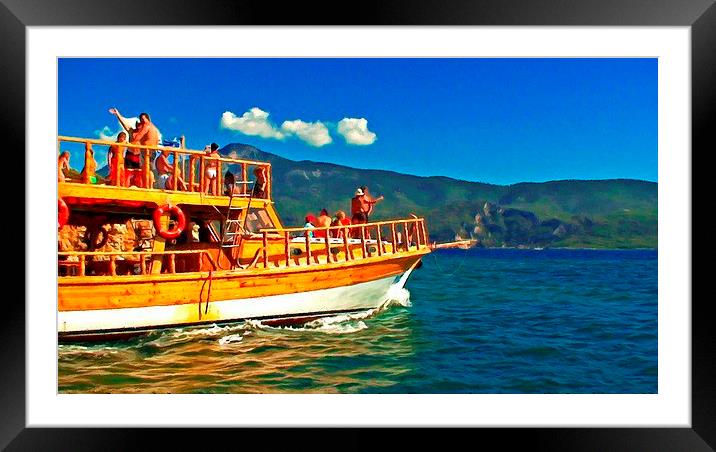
x=617, y=213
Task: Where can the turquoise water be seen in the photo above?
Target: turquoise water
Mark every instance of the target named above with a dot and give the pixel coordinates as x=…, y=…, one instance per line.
x=478, y=321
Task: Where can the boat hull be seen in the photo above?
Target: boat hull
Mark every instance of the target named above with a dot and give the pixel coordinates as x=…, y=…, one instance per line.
x=369, y=287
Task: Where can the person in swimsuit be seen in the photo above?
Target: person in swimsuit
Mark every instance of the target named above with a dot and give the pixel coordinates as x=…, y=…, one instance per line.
x=211, y=165
x=113, y=159
x=63, y=163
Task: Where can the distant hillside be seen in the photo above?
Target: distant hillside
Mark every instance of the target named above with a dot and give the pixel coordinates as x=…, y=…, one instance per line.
x=618, y=213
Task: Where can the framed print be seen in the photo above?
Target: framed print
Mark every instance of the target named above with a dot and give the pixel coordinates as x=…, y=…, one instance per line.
x=421, y=216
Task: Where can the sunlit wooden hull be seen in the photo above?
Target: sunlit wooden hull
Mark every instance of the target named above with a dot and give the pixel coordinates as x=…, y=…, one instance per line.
x=97, y=307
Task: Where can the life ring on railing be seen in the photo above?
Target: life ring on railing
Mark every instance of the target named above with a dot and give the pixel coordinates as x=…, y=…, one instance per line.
x=169, y=234
x=63, y=213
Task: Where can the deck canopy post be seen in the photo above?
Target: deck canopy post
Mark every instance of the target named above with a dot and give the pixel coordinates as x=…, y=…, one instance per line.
x=346, y=250
x=379, y=240
x=175, y=176
x=147, y=170
x=393, y=240
x=425, y=232
x=244, y=179
x=362, y=242
x=172, y=263
x=308, y=247
x=326, y=241
x=218, y=178
x=120, y=168
x=287, y=248
x=202, y=166
x=406, y=239
x=192, y=173
x=264, y=246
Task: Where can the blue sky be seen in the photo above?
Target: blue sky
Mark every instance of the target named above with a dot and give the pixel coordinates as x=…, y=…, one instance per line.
x=490, y=120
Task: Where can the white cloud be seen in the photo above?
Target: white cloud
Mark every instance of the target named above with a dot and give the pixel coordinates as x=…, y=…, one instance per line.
x=355, y=131
x=314, y=133
x=106, y=134
x=256, y=122
x=253, y=122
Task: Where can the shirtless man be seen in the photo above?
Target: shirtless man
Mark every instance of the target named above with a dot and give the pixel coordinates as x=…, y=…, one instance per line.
x=166, y=172
x=63, y=163
x=144, y=133
x=370, y=201
x=322, y=221
x=362, y=205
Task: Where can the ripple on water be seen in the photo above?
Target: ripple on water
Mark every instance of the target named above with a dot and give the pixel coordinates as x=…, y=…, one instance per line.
x=504, y=321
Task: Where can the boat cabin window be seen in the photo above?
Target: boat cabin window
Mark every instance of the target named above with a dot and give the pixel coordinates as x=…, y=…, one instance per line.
x=258, y=219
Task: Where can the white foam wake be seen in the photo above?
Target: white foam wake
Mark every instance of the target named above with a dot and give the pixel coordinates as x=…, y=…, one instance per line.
x=343, y=323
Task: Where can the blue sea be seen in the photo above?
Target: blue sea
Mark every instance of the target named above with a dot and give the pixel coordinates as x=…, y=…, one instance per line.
x=476, y=321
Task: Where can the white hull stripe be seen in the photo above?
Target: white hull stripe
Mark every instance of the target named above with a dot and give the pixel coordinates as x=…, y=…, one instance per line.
x=357, y=297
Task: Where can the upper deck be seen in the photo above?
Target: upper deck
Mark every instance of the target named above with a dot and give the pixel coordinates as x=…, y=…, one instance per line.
x=187, y=182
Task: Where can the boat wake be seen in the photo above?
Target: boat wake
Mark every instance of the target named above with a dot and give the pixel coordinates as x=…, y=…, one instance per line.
x=338, y=324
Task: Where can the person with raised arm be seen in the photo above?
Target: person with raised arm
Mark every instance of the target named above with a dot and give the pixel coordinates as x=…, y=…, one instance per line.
x=145, y=133
x=370, y=202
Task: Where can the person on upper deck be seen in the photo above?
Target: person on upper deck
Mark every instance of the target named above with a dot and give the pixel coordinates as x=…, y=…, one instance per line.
x=370, y=201
x=230, y=186
x=63, y=163
x=88, y=172
x=166, y=172
x=340, y=220
x=362, y=203
x=144, y=133
x=322, y=221
x=261, y=182
x=211, y=168
x=310, y=223
x=113, y=159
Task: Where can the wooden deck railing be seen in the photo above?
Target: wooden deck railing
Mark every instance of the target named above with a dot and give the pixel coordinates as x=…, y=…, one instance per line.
x=356, y=242
x=195, y=168
x=144, y=259
x=415, y=237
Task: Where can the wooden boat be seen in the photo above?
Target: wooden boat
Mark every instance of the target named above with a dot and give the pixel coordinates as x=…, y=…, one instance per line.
x=242, y=264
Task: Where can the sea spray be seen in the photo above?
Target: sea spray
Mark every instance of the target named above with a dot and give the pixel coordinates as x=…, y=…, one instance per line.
x=230, y=339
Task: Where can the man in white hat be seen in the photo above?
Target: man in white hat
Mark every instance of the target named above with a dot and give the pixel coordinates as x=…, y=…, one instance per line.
x=362, y=205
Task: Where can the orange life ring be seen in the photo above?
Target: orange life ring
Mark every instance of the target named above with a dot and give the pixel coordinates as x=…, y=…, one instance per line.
x=169, y=234
x=63, y=213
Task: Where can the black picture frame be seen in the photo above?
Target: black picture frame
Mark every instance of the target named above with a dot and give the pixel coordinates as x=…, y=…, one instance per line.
x=700, y=15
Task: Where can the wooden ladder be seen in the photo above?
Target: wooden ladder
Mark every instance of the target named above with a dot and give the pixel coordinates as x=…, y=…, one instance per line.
x=234, y=229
